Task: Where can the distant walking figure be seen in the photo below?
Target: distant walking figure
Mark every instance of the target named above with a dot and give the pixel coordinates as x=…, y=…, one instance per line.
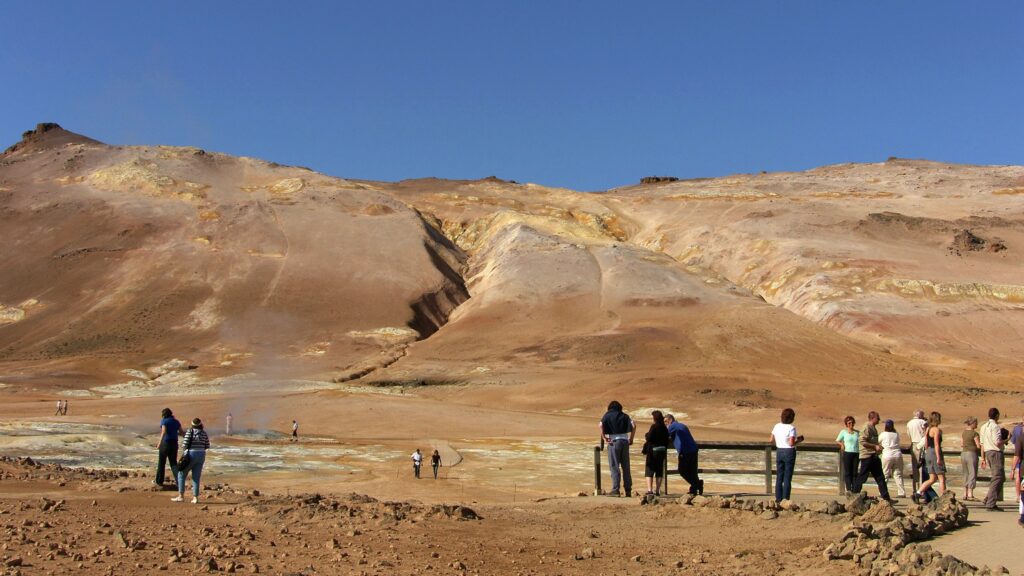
x=227, y=425
x=849, y=444
x=435, y=462
x=617, y=431
x=970, y=456
x=194, y=446
x=686, y=448
x=60, y=408
x=65, y=410
x=417, y=462
x=785, y=438
x=295, y=431
x=992, y=443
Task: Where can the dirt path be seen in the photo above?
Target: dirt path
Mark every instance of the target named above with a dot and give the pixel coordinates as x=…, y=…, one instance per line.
x=992, y=539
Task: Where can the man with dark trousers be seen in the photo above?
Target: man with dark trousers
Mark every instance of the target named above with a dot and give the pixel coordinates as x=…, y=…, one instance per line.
x=870, y=461
x=686, y=448
x=617, y=430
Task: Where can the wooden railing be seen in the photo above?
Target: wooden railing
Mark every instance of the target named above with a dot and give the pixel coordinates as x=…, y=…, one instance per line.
x=768, y=471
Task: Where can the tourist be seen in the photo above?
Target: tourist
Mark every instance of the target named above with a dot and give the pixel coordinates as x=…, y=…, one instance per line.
x=417, y=462
x=295, y=431
x=687, y=451
x=1018, y=431
x=915, y=432
x=849, y=448
x=933, y=459
x=870, y=460
x=227, y=425
x=1018, y=465
x=194, y=448
x=435, y=462
x=64, y=411
x=992, y=445
x=892, y=457
x=656, y=449
x=60, y=408
x=167, y=446
x=970, y=455
x=785, y=437
x=617, y=431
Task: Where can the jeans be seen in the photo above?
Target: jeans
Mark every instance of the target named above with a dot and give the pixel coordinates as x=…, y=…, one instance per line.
x=785, y=462
x=168, y=455
x=851, y=460
x=995, y=466
x=618, y=456
x=416, y=469
x=195, y=466
x=688, y=470
x=435, y=466
x=872, y=465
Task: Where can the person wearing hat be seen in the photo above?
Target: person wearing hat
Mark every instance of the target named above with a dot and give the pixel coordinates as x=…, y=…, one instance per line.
x=194, y=449
x=892, y=456
x=970, y=455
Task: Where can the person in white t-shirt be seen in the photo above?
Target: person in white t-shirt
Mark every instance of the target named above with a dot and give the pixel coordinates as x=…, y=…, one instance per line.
x=892, y=457
x=785, y=438
x=417, y=462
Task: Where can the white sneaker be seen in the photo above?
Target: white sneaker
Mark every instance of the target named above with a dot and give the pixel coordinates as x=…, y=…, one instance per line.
x=177, y=499
x=195, y=500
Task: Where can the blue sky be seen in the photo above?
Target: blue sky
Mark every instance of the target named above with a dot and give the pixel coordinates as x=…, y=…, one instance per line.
x=587, y=94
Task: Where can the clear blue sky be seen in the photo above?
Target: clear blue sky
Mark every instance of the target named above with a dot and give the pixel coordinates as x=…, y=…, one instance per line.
x=586, y=94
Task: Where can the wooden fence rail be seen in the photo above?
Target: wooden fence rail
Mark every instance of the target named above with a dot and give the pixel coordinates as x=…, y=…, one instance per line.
x=768, y=471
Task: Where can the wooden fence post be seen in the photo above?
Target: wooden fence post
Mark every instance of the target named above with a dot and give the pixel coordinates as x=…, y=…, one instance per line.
x=842, y=474
x=664, y=472
x=597, y=470
x=768, y=469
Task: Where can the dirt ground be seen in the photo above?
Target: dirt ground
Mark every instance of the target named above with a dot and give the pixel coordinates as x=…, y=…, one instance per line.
x=58, y=521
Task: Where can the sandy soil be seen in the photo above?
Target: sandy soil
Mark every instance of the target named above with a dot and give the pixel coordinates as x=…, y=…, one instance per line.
x=58, y=521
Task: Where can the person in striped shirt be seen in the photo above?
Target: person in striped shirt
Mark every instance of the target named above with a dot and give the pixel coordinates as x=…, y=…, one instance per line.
x=194, y=447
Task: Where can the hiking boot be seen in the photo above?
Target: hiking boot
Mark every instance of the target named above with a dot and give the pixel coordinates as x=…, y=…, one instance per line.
x=177, y=499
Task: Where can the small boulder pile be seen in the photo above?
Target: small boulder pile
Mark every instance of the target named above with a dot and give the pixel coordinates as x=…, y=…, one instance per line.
x=881, y=540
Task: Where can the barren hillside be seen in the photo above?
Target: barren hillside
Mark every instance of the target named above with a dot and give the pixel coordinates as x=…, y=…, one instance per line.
x=748, y=290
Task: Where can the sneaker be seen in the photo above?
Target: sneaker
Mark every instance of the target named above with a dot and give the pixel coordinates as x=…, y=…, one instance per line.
x=195, y=499
x=615, y=494
x=177, y=499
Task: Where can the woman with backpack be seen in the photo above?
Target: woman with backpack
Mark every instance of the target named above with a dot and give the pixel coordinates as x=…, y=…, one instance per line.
x=193, y=457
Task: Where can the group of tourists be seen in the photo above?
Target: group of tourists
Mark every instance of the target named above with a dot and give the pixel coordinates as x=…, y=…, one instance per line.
x=194, y=445
x=865, y=452
x=617, y=433
x=879, y=454
x=417, y=462
x=62, y=408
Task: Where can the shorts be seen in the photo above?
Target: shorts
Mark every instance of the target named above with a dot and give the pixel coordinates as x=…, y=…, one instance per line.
x=931, y=462
x=654, y=467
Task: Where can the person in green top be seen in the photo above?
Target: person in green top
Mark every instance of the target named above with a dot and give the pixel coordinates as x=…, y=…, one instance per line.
x=849, y=446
